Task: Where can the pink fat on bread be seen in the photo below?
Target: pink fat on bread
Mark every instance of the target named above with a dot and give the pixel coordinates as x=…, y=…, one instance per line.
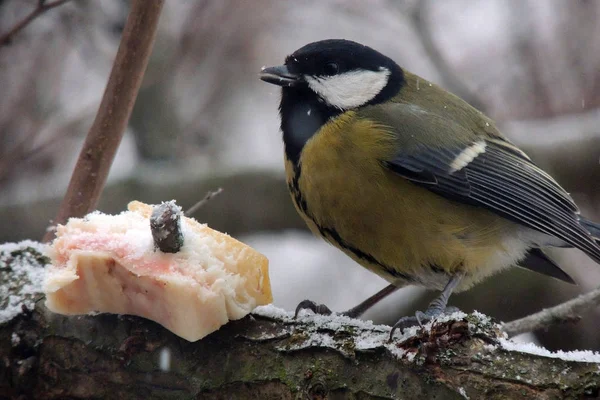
x=107, y=263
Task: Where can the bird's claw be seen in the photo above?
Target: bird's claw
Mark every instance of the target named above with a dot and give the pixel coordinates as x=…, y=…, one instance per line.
x=420, y=318
x=320, y=309
x=405, y=322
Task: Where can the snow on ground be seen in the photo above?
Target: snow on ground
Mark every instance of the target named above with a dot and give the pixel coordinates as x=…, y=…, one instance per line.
x=26, y=276
x=319, y=330
x=364, y=333
x=367, y=335
x=531, y=348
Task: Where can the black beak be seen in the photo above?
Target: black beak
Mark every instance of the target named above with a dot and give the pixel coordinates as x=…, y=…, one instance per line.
x=280, y=76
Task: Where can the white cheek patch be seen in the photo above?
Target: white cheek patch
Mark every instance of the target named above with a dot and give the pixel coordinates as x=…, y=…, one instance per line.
x=467, y=155
x=350, y=89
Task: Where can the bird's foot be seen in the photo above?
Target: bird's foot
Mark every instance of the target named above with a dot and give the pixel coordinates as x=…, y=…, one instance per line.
x=355, y=311
x=320, y=309
x=421, y=318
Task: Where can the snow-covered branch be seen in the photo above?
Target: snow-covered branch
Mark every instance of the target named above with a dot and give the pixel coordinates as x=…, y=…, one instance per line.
x=268, y=353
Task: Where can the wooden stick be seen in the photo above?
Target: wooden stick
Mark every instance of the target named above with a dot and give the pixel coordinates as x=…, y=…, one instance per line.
x=165, y=224
x=565, y=312
x=202, y=202
x=105, y=135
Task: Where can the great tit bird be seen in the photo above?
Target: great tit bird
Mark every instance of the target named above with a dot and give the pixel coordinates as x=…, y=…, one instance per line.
x=411, y=181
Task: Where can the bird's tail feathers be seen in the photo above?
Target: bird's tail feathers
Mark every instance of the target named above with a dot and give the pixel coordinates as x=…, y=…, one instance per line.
x=592, y=227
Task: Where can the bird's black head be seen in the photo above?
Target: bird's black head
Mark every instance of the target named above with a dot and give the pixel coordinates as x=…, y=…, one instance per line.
x=322, y=80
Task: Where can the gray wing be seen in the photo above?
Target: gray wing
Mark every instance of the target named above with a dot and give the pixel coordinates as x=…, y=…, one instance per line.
x=495, y=175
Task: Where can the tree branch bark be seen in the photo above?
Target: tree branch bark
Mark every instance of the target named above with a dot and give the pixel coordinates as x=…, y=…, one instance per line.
x=565, y=312
x=268, y=356
x=105, y=135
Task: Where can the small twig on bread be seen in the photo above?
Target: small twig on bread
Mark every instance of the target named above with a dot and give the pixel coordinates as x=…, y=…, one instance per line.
x=565, y=312
x=165, y=224
x=202, y=202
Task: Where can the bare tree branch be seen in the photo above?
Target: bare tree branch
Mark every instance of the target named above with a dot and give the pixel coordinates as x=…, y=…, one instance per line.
x=42, y=7
x=202, y=202
x=106, y=132
x=565, y=312
x=452, y=81
x=26, y=150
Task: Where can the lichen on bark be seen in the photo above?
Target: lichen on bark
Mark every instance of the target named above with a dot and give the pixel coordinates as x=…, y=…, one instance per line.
x=46, y=355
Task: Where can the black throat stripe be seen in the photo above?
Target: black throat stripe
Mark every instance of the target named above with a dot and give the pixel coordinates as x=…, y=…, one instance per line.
x=294, y=188
x=335, y=236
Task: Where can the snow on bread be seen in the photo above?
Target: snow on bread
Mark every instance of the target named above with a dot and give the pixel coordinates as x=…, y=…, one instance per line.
x=108, y=263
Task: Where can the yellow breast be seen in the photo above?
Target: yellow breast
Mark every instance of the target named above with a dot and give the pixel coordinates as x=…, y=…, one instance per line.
x=384, y=222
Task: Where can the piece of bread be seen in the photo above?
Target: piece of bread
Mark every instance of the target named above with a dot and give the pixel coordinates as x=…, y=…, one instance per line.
x=107, y=263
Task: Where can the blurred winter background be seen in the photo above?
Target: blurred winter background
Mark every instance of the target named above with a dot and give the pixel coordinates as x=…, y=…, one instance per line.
x=203, y=120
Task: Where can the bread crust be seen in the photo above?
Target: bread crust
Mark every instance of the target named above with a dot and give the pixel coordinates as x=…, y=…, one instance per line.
x=99, y=266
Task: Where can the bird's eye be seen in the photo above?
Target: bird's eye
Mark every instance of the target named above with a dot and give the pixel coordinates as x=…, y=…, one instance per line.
x=331, y=68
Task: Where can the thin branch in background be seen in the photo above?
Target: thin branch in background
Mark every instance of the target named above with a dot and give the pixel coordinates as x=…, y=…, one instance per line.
x=24, y=122
x=104, y=137
x=565, y=312
x=450, y=79
x=202, y=202
x=24, y=151
x=41, y=8
x=11, y=156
